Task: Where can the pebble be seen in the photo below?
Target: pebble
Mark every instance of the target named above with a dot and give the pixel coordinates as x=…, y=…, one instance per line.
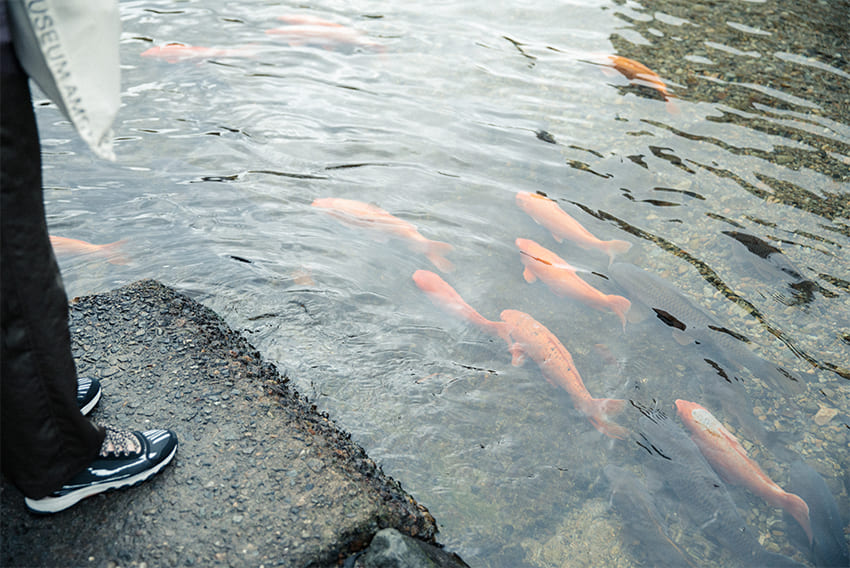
x=824, y=415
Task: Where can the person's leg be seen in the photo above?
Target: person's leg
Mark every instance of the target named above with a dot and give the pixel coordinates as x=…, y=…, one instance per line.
x=45, y=439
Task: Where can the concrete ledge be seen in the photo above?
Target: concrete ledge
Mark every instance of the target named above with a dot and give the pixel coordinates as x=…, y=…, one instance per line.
x=260, y=478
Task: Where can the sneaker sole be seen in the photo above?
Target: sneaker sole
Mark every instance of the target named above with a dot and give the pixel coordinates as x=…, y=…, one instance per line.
x=56, y=504
x=92, y=403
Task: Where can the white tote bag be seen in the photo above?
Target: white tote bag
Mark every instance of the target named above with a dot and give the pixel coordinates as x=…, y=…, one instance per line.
x=70, y=49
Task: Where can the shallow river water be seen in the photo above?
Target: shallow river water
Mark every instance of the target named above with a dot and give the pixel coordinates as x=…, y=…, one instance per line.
x=440, y=113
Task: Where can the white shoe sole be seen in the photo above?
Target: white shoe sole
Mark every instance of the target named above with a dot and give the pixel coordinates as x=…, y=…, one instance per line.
x=56, y=504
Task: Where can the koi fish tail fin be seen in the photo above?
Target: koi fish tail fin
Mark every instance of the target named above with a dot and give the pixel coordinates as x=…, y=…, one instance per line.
x=620, y=306
x=435, y=251
x=798, y=509
x=599, y=410
x=112, y=252
x=616, y=247
x=672, y=107
x=610, y=429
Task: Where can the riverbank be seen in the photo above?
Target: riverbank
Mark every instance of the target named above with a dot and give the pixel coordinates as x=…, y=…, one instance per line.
x=260, y=479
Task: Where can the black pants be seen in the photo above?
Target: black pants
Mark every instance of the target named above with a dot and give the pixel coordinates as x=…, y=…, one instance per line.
x=44, y=439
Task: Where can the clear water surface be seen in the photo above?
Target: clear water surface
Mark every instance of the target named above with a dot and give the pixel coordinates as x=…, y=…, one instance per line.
x=440, y=113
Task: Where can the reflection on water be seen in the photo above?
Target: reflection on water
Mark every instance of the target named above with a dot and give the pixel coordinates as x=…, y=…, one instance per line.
x=735, y=190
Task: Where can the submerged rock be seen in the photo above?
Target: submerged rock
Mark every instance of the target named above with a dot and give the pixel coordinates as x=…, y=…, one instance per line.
x=391, y=549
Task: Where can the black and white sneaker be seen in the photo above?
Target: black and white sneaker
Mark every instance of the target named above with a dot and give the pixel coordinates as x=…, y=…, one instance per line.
x=88, y=393
x=126, y=458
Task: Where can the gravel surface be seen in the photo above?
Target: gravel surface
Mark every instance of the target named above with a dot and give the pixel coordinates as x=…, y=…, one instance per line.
x=260, y=478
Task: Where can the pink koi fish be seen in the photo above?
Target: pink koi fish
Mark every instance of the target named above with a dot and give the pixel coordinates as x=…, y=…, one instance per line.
x=176, y=52
x=109, y=251
x=361, y=214
x=447, y=299
x=303, y=29
x=562, y=226
x=562, y=279
x=528, y=337
x=730, y=460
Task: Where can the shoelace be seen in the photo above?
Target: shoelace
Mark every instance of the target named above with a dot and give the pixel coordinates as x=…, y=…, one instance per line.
x=119, y=443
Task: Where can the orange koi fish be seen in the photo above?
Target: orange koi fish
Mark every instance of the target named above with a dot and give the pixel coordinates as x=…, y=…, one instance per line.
x=730, y=460
x=562, y=279
x=528, y=337
x=640, y=73
x=373, y=217
x=562, y=226
x=176, y=52
x=632, y=70
x=447, y=299
x=64, y=245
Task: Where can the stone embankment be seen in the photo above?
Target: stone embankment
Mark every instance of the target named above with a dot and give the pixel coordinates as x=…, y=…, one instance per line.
x=260, y=479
